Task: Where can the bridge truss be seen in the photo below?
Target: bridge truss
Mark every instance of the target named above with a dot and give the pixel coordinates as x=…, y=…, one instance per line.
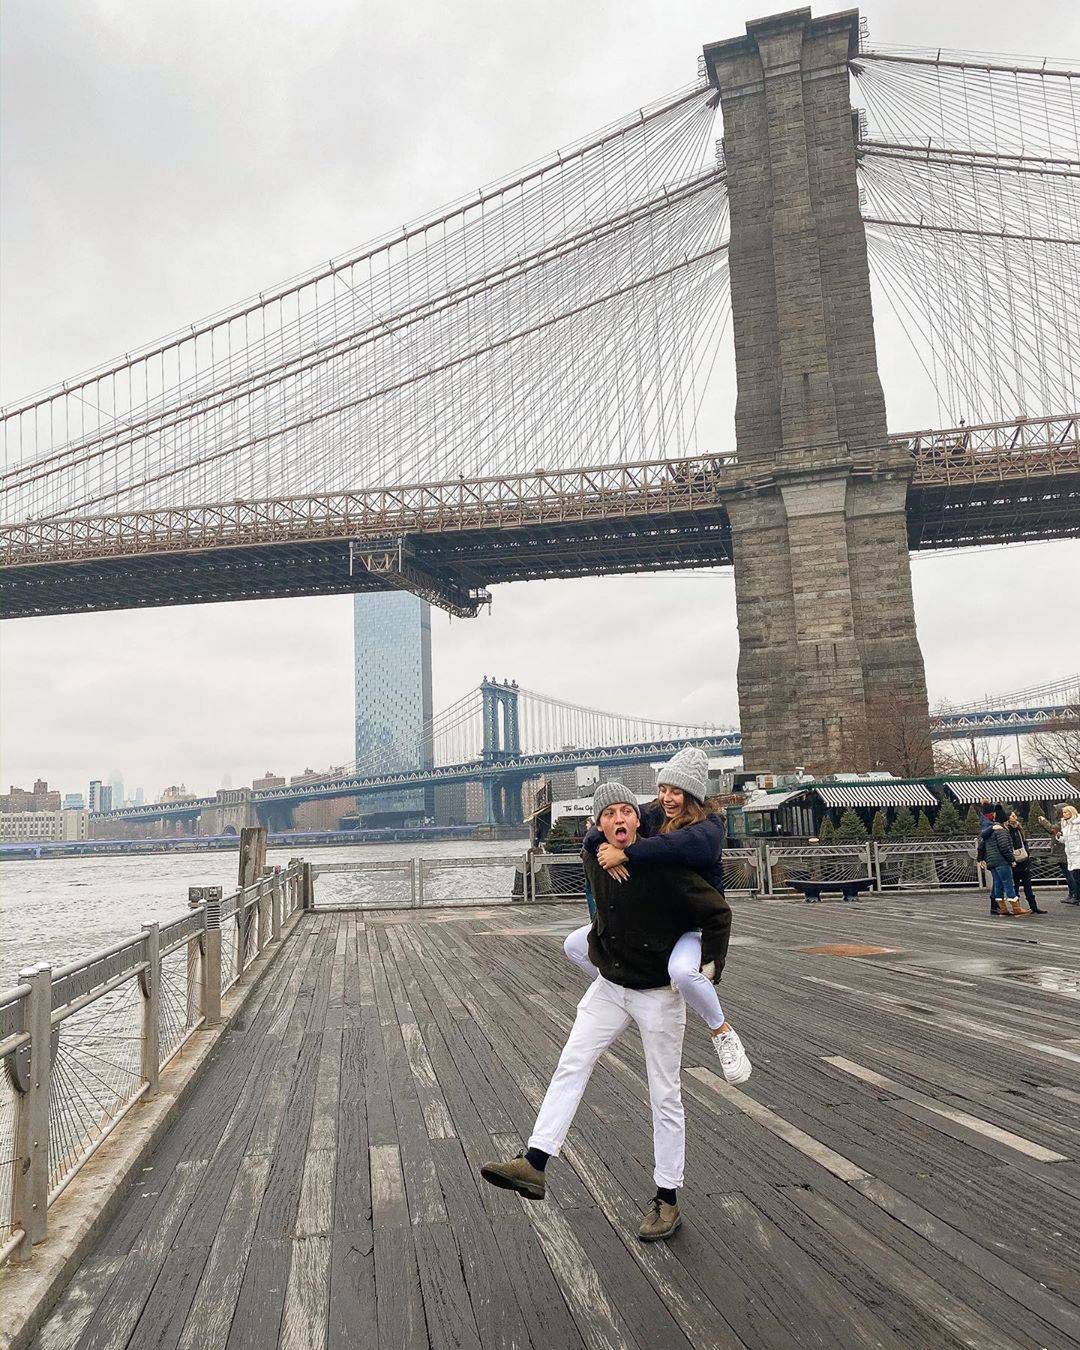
x=414, y=414
x=449, y=541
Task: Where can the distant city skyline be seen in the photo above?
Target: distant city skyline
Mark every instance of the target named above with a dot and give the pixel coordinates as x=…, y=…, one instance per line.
x=1004, y=753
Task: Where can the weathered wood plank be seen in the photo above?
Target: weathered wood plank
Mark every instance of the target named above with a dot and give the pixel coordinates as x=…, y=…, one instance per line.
x=122, y=1303
x=638, y=1301
x=257, y=1321
x=211, y=1313
x=447, y=1306
x=315, y=1215
x=307, y=1298
x=388, y=1205
x=597, y=1314
x=352, y=1318
x=79, y=1303
x=917, y=1297
x=399, y=1305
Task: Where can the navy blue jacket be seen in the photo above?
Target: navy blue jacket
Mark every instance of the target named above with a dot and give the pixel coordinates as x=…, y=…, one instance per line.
x=698, y=847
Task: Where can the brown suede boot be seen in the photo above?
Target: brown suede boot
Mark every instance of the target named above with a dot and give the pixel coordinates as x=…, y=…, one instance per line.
x=660, y=1222
x=516, y=1175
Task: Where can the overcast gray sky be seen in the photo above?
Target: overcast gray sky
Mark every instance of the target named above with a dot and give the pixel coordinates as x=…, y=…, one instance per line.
x=161, y=161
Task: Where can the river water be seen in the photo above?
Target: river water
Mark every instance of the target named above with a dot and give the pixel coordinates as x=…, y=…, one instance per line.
x=59, y=909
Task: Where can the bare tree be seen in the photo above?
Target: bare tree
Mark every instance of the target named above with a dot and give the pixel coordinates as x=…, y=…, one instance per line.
x=973, y=757
x=1057, y=747
x=900, y=743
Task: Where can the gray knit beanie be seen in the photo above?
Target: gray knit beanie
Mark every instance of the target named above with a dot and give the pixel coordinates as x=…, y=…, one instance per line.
x=687, y=769
x=609, y=794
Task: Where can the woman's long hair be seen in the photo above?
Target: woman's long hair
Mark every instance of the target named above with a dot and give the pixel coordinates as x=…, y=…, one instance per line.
x=691, y=813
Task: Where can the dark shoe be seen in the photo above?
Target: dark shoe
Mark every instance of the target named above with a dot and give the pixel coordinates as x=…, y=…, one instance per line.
x=516, y=1175
x=660, y=1222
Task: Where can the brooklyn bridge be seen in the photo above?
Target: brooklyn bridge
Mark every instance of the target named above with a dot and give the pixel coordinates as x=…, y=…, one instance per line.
x=511, y=387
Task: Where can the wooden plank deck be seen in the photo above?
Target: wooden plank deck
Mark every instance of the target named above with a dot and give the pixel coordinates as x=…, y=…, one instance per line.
x=903, y=1168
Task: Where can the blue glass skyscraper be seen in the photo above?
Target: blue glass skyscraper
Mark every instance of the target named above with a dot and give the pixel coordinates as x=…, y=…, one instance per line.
x=392, y=661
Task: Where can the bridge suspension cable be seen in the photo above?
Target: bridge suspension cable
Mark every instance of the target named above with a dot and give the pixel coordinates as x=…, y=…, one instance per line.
x=571, y=309
x=1063, y=693
x=554, y=724
x=969, y=171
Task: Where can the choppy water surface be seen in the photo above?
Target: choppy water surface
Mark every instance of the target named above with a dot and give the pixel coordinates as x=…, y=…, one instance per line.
x=59, y=909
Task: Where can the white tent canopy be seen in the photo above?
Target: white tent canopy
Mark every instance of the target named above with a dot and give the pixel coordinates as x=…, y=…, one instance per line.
x=1012, y=790
x=876, y=794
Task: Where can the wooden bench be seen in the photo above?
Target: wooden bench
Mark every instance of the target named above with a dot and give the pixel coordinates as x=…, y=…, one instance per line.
x=849, y=887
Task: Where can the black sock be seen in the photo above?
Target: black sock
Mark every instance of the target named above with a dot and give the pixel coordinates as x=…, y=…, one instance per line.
x=537, y=1157
x=668, y=1196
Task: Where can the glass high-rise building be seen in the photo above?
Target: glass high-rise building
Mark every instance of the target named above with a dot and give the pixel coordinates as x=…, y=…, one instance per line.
x=392, y=663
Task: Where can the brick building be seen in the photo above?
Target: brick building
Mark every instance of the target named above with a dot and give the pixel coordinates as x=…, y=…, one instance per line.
x=39, y=798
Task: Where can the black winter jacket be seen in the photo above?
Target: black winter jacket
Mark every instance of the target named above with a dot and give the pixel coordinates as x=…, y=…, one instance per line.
x=995, y=847
x=638, y=922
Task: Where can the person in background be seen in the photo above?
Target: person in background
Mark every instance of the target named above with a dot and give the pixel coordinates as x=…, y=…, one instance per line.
x=995, y=849
x=1066, y=836
x=1022, y=861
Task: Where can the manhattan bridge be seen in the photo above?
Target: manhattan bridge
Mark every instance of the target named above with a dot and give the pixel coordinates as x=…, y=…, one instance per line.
x=501, y=736
x=515, y=387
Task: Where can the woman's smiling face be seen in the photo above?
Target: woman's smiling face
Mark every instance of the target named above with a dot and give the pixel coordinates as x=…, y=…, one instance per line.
x=672, y=799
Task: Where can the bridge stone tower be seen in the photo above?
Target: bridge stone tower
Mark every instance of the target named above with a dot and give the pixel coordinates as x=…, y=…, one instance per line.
x=830, y=672
x=502, y=741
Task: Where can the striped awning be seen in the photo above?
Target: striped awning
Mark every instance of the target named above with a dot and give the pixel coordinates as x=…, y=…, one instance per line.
x=772, y=801
x=1013, y=790
x=875, y=794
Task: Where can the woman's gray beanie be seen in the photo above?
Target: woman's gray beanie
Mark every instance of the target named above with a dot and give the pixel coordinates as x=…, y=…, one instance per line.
x=689, y=770
x=610, y=794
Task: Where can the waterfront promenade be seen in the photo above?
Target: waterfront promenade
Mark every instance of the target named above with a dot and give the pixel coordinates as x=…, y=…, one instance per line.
x=901, y=1170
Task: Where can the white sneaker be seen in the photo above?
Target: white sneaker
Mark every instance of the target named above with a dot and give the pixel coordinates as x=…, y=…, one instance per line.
x=734, y=1060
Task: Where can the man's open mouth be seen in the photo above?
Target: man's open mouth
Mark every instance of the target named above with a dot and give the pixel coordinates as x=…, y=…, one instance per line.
x=621, y=833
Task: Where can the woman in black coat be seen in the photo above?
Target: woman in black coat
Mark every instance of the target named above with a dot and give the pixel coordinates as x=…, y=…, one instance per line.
x=1022, y=861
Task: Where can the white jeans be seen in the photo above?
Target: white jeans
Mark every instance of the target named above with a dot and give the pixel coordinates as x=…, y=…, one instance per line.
x=602, y=1016
x=684, y=968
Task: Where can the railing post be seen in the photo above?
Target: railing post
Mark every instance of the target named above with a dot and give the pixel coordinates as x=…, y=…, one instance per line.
x=264, y=912
x=195, y=971
x=875, y=869
x=275, y=907
x=211, y=990
x=296, y=867
x=150, y=984
x=30, y=1201
x=766, y=869
x=245, y=916
x=307, y=886
x=416, y=884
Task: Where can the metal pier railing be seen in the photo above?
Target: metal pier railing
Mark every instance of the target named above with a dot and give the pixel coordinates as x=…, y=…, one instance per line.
x=81, y=1045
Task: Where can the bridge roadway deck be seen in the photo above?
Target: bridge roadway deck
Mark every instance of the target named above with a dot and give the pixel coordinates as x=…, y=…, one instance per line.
x=321, y=1187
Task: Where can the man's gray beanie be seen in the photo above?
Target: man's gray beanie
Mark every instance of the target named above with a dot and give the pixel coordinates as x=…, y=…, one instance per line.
x=610, y=794
x=689, y=770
